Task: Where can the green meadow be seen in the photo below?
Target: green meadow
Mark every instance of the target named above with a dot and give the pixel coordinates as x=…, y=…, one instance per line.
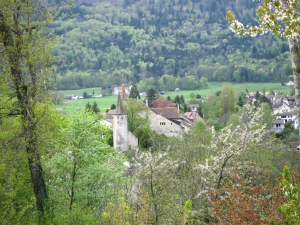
x=105, y=102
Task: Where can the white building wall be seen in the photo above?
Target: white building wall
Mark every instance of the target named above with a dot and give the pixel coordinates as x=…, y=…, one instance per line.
x=284, y=108
x=120, y=132
x=164, y=126
x=132, y=141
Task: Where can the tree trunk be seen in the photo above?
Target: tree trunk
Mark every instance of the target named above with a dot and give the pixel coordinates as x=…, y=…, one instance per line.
x=295, y=55
x=25, y=88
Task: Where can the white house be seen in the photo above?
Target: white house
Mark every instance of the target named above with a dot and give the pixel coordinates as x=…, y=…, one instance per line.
x=290, y=84
x=278, y=109
x=288, y=117
x=75, y=97
x=277, y=125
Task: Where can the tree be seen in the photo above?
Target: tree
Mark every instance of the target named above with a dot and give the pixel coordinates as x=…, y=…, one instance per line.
x=257, y=95
x=181, y=99
x=248, y=204
x=134, y=93
x=177, y=99
x=241, y=101
x=25, y=57
x=264, y=99
x=88, y=107
x=80, y=173
x=113, y=106
x=95, y=108
x=136, y=114
x=85, y=95
x=152, y=94
x=291, y=190
x=144, y=135
x=282, y=19
x=227, y=99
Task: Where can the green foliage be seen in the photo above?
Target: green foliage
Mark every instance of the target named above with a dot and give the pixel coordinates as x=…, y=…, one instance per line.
x=113, y=106
x=88, y=107
x=177, y=100
x=291, y=209
x=241, y=101
x=117, y=45
x=120, y=214
x=152, y=94
x=287, y=131
x=95, y=108
x=85, y=95
x=83, y=170
x=25, y=62
x=268, y=117
x=211, y=107
x=264, y=99
x=227, y=99
x=137, y=114
x=134, y=93
x=144, y=135
x=202, y=133
x=187, y=213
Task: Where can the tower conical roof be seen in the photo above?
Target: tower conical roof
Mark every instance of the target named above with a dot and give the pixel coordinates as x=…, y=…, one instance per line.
x=123, y=92
x=120, y=109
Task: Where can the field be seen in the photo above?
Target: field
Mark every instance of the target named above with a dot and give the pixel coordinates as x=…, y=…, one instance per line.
x=105, y=102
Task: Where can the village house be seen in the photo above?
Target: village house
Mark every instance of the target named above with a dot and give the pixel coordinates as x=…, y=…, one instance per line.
x=281, y=108
x=277, y=125
x=168, y=121
x=192, y=115
x=290, y=84
x=288, y=117
x=276, y=99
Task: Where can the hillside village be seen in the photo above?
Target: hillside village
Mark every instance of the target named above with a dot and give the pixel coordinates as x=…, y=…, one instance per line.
x=167, y=120
x=215, y=157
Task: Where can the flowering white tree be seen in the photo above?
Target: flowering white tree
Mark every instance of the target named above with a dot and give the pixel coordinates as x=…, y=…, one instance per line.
x=234, y=141
x=282, y=18
x=187, y=170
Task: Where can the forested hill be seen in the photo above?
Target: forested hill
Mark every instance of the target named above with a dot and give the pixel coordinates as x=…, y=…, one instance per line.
x=108, y=42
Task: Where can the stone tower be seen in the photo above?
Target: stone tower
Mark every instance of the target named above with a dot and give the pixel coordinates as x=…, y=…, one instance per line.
x=120, y=128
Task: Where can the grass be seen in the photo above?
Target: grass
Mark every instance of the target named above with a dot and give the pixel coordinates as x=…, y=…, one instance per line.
x=105, y=102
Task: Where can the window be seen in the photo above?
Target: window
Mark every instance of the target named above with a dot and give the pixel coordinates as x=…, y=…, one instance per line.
x=162, y=123
x=122, y=119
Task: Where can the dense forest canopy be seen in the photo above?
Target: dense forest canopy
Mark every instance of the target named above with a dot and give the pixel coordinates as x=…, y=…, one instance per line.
x=105, y=43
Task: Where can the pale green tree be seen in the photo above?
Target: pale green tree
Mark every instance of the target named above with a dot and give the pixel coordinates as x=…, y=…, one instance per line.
x=83, y=170
x=137, y=114
x=227, y=99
